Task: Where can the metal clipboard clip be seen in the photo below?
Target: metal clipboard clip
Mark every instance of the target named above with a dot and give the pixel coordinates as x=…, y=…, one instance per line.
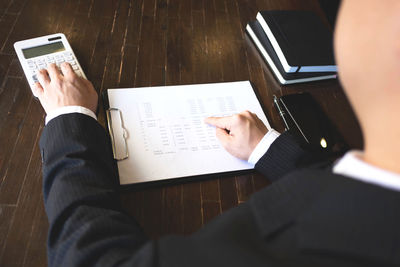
x=111, y=130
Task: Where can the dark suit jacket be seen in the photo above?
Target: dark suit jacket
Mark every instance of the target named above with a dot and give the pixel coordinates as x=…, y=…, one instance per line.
x=307, y=217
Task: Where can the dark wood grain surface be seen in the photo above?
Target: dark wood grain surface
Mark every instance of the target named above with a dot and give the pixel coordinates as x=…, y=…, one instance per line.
x=122, y=43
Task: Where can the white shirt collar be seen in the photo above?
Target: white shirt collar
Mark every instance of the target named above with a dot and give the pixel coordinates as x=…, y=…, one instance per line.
x=352, y=165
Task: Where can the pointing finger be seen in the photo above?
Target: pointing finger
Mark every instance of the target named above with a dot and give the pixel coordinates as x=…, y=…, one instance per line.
x=220, y=122
x=67, y=70
x=54, y=72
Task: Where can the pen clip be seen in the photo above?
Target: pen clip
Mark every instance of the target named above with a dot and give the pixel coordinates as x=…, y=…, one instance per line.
x=281, y=112
x=111, y=130
x=295, y=122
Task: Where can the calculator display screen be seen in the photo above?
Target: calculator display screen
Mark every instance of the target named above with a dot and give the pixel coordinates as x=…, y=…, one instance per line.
x=43, y=50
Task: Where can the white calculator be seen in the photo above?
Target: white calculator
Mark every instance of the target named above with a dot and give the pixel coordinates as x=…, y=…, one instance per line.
x=37, y=53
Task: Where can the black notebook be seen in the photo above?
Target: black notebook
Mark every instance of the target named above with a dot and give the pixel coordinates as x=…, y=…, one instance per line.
x=261, y=41
x=300, y=39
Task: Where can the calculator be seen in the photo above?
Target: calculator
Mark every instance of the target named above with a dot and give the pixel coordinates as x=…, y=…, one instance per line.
x=37, y=53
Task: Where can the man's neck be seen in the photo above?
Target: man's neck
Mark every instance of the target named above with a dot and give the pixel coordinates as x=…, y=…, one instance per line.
x=383, y=152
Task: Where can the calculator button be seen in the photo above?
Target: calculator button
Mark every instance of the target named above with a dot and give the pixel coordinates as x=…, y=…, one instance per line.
x=75, y=67
x=35, y=79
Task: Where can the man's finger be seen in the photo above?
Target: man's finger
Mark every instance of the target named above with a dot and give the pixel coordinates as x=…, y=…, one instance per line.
x=220, y=122
x=43, y=78
x=54, y=72
x=67, y=70
x=37, y=90
x=223, y=136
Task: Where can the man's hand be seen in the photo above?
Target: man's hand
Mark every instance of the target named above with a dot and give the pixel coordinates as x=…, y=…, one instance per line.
x=64, y=88
x=239, y=134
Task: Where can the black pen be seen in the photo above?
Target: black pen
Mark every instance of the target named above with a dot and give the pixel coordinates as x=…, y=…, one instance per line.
x=281, y=112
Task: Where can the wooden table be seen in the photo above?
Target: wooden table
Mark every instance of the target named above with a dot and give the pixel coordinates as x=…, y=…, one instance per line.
x=123, y=43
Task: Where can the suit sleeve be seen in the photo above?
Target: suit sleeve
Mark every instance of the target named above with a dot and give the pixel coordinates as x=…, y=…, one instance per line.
x=286, y=154
x=87, y=224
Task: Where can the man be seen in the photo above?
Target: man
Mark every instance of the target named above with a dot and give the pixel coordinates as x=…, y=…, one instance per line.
x=312, y=215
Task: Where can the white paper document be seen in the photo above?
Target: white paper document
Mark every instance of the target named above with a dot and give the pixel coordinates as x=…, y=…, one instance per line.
x=165, y=133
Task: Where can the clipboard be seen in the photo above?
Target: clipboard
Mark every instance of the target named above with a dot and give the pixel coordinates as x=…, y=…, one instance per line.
x=124, y=136
x=109, y=121
x=129, y=152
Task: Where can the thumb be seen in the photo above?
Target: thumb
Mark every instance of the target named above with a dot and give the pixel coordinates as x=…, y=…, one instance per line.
x=37, y=90
x=223, y=136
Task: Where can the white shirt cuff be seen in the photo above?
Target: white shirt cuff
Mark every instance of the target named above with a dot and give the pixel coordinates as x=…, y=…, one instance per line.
x=69, y=109
x=263, y=146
